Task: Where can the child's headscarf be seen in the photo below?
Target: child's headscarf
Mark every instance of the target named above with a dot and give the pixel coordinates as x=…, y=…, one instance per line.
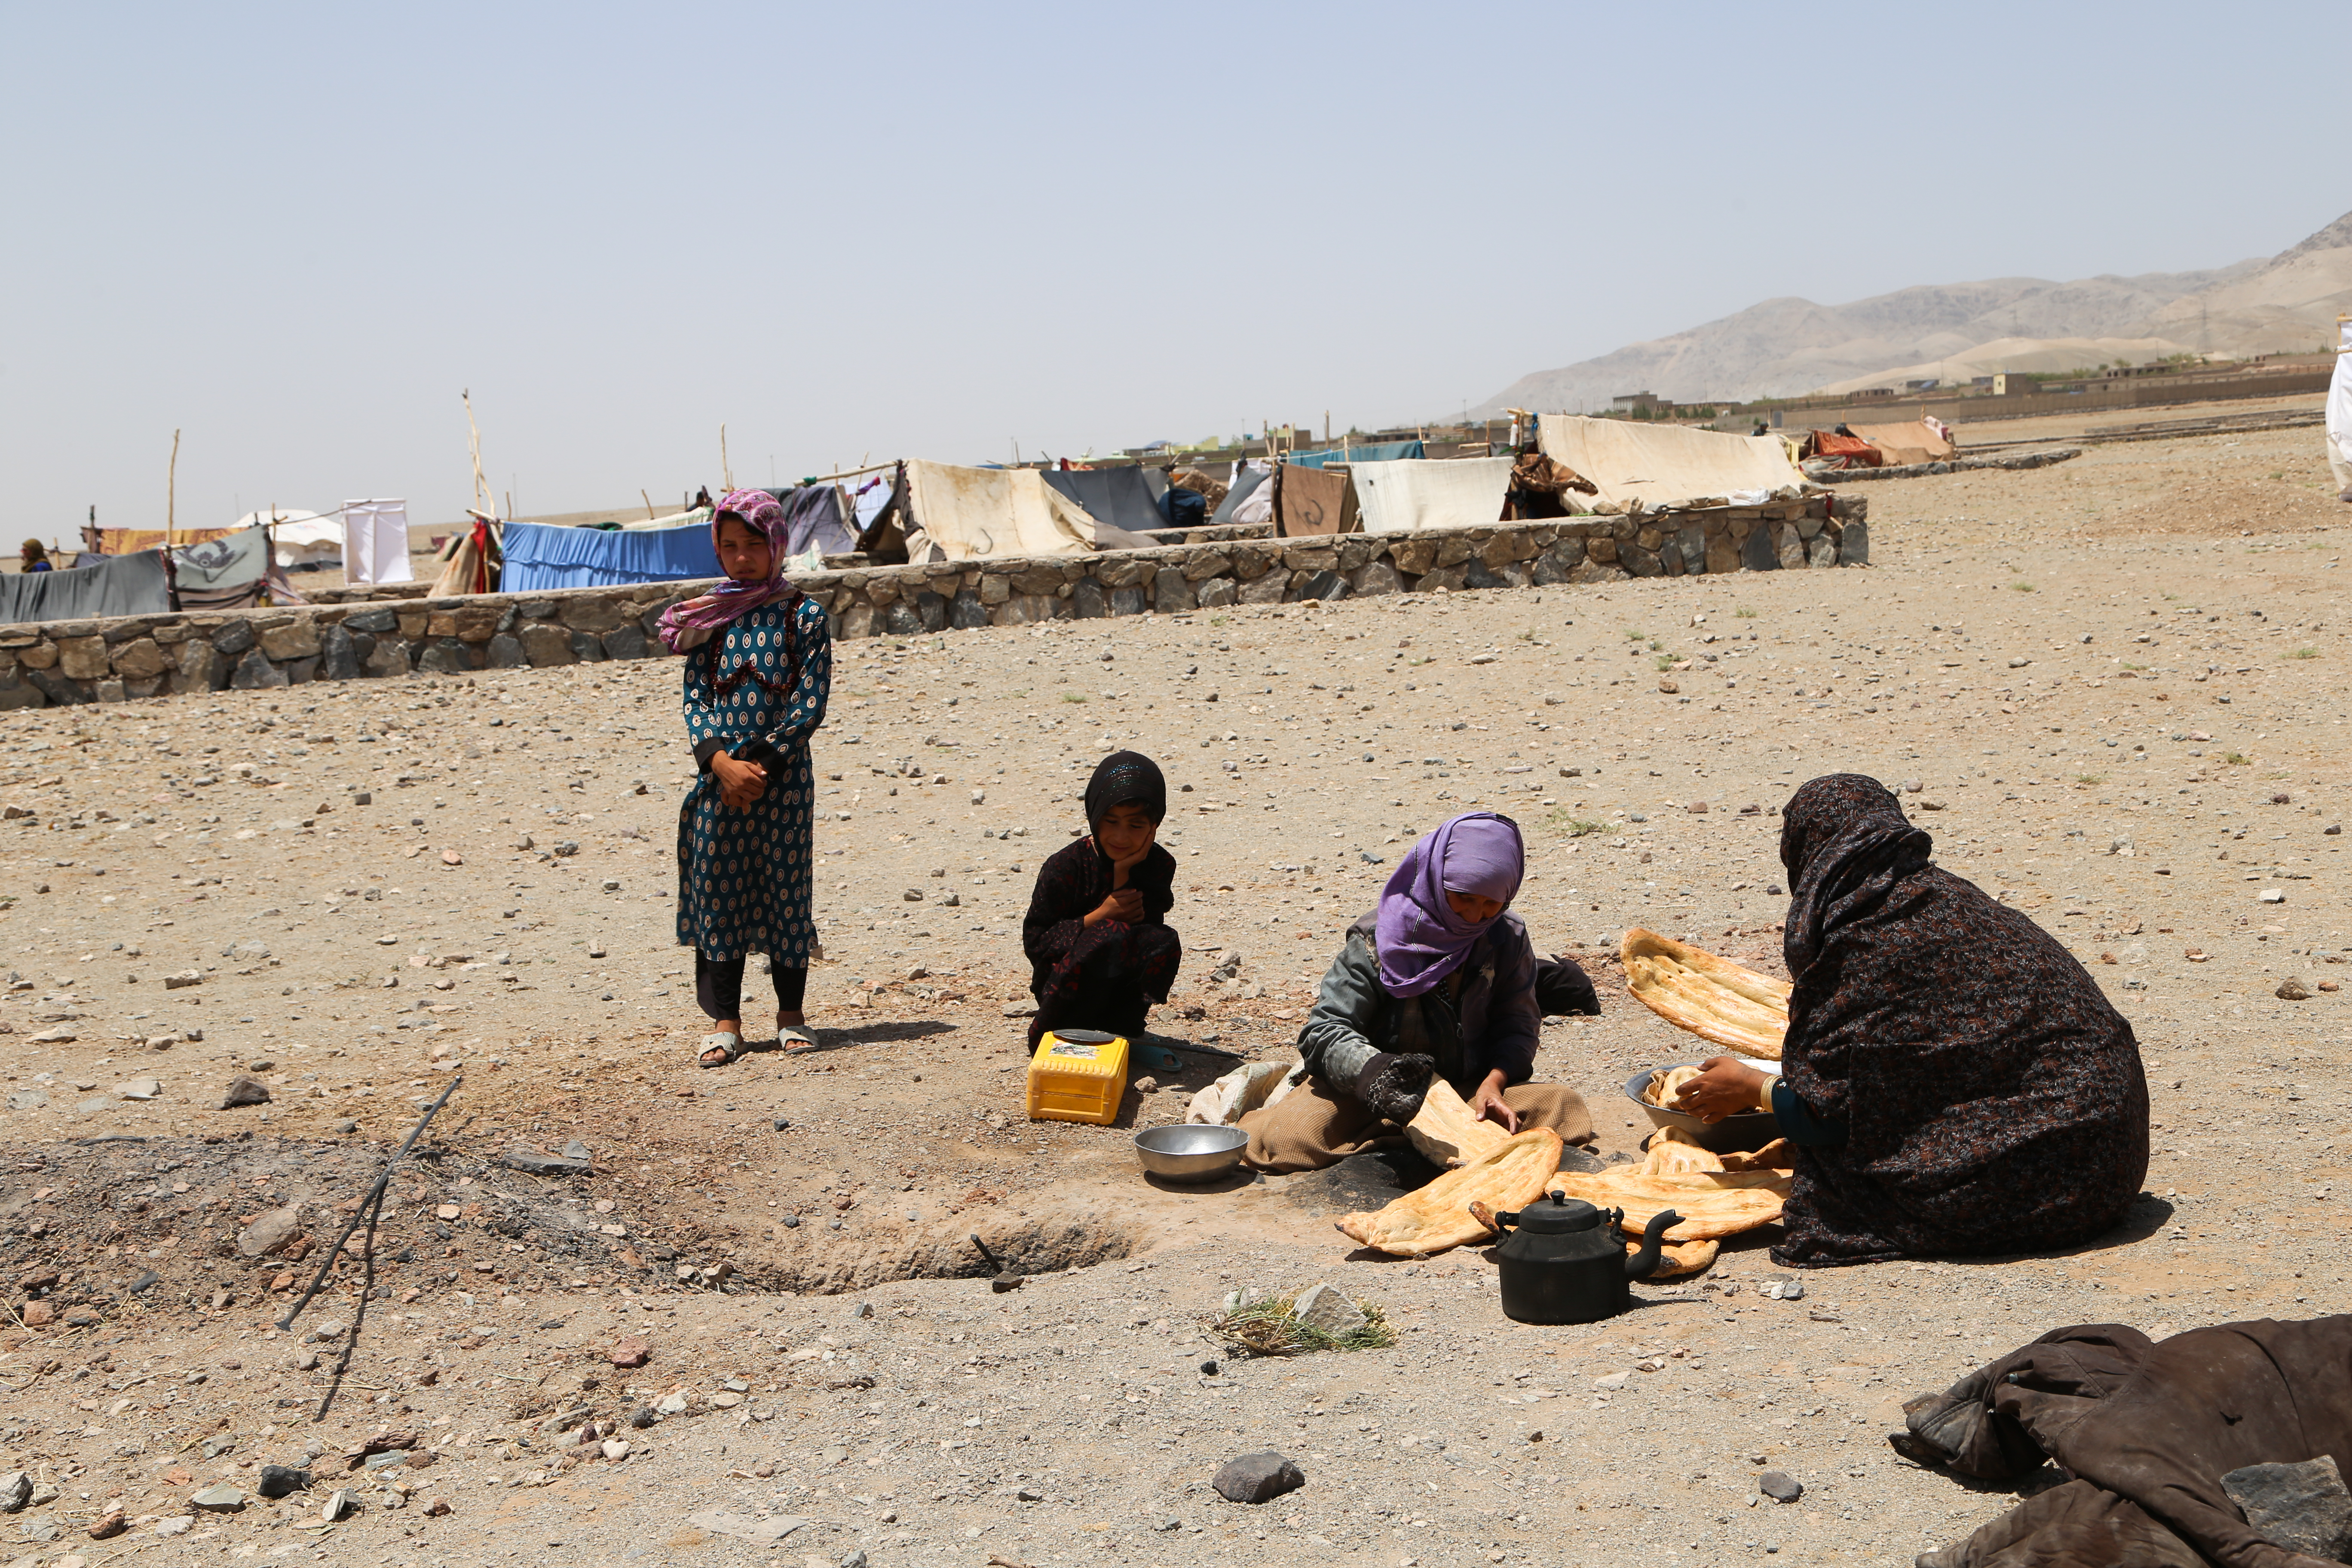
x=688, y=623
x=1421, y=939
x=1125, y=778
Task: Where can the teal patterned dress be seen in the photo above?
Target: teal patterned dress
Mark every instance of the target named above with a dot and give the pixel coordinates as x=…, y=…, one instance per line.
x=757, y=691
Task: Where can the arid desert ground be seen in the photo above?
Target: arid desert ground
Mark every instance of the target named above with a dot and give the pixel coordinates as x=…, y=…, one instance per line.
x=2113, y=689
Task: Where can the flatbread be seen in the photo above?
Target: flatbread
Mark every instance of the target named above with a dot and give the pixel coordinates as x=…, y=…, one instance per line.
x=1446, y=1133
x=1778, y=1156
x=1713, y=997
x=1666, y=1084
x=1677, y=1258
x=1711, y=1204
x=1675, y=1153
x=1438, y=1217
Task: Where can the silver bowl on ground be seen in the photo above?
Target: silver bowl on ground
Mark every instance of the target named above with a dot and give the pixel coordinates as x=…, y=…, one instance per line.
x=1190, y=1151
x=1744, y=1133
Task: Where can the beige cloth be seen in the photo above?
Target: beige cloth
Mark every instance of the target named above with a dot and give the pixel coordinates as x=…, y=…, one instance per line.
x=960, y=514
x=1316, y=1125
x=1422, y=492
x=1915, y=442
x=1663, y=465
x=2339, y=463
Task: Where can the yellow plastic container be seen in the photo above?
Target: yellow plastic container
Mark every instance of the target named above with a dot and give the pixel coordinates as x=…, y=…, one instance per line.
x=1078, y=1075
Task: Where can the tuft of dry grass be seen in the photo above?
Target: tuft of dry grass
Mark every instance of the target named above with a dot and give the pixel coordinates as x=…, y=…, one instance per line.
x=1269, y=1326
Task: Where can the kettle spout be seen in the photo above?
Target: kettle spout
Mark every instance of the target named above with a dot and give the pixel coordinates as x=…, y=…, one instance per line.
x=1645, y=1263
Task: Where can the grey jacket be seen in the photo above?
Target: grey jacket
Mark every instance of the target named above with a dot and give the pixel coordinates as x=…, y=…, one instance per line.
x=1481, y=1017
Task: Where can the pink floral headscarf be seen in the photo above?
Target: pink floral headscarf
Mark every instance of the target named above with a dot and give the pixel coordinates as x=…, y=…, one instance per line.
x=689, y=623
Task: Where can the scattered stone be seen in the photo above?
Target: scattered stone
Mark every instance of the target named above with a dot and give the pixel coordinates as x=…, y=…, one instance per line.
x=219, y=1498
x=2293, y=989
x=346, y=1125
x=1257, y=1477
x=1668, y=687
x=1779, y=1486
x=747, y=1527
x=179, y=1526
x=270, y=1231
x=1782, y=1288
x=629, y=1352
x=1325, y=1309
x=276, y=1481
x=674, y=1402
x=2302, y=1506
x=16, y=1491
x=339, y=1503
x=306, y=1361
x=856, y=1559
x=1208, y=1369
x=575, y=1150
x=105, y=1527
x=328, y=1328
x=539, y=1164
x=2273, y=896
x=617, y=1449
x=1611, y=1382
x=37, y=1314
x=183, y=979
x=438, y=1508
x=244, y=1089
x=140, y=1089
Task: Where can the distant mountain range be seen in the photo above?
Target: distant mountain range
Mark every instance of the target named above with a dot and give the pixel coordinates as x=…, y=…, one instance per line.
x=1782, y=348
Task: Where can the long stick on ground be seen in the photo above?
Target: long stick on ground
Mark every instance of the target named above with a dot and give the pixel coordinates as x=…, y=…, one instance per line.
x=367, y=1209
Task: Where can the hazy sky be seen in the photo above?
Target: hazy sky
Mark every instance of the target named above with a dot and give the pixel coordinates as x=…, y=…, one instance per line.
x=295, y=233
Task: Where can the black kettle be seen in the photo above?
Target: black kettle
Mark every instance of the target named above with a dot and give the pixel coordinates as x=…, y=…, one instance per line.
x=1562, y=1264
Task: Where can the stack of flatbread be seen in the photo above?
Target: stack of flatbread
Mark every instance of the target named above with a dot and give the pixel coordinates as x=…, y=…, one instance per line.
x=1713, y=997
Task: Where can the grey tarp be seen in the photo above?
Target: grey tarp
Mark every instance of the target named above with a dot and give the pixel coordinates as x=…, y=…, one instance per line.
x=221, y=574
x=1119, y=497
x=815, y=516
x=117, y=585
x=1247, y=478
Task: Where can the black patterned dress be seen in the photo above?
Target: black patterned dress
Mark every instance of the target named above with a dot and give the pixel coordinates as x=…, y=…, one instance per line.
x=756, y=691
x=1992, y=1100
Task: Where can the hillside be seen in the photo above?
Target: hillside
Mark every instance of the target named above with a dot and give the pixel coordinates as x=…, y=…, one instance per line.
x=1783, y=347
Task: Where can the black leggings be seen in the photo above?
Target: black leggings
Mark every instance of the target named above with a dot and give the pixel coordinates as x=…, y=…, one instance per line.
x=719, y=985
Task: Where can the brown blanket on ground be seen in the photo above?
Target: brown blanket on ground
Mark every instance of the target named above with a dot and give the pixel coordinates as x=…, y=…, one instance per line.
x=2148, y=1431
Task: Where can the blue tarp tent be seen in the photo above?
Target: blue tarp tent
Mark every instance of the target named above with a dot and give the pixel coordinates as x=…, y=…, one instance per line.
x=539, y=557
x=117, y=586
x=1378, y=452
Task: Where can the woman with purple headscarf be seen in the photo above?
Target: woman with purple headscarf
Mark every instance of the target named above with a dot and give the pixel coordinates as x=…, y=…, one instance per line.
x=1439, y=981
x=759, y=667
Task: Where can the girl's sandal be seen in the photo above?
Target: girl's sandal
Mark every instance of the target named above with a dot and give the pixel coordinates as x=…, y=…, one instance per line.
x=729, y=1046
x=793, y=1040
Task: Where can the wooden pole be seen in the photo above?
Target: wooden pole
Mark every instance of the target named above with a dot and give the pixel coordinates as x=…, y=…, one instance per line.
x=171, y=491
x=473, y=437
x=649, y=503
x=726, y=474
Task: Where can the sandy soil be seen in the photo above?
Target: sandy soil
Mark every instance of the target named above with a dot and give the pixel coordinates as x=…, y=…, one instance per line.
x=2116, y=683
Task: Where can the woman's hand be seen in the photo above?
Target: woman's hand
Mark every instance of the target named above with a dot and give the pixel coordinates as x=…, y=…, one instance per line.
x=1724, y=1087
x=1487, y=1105
x=741, y=785
x=1126, y=904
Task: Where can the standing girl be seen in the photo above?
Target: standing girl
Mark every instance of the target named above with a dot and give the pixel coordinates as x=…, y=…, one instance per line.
x=759, y=666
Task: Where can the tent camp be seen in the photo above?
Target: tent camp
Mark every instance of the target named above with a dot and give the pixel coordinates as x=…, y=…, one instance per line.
x=1248, y=499
x=130, y=584
x=1668, y=465
x=1915, y=442
x=226, y=574
x=1459, y=492
x=539, y=557
x=955, y=513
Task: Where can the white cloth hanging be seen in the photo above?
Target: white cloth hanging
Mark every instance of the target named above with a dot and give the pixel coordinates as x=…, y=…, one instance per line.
x=375, y=542
x=2339, y=411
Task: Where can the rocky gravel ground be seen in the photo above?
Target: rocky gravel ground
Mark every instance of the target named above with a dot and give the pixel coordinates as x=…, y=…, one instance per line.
x=626, y=1311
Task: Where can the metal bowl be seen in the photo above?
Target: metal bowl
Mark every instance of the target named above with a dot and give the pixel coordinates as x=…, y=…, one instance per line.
x=1190, y=1151
x=1744, y=1133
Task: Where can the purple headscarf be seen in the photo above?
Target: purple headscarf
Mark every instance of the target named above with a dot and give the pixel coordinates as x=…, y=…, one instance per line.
x=689, y=623
x=1421, y=939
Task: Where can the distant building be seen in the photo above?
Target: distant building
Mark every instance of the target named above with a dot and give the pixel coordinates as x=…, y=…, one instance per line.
x=1981, y=383
x=1870, y=394
x=2008, y=382
x=1926, y=383
x=1646, y=404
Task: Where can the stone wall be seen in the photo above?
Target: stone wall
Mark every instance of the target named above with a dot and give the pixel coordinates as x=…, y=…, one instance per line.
x=147, y=656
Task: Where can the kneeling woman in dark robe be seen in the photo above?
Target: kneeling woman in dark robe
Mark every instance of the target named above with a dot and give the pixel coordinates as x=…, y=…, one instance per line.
x=1439, y=981
x=1100, y=950
x=1953, y=1080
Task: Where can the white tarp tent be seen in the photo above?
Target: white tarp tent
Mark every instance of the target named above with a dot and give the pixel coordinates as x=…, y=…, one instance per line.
x=1665, y=465
x=2339, y=410
x=957, y=514
x=1423, y=492
x=375, y=542
x=300, y=538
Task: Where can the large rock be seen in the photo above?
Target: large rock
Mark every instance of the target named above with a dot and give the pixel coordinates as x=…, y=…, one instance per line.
x=1089, y=601
x=1756, y=551
x=966, y=613
x=1172, y=591
x=1323, y=1309
x=270, y=1231
x=1640, y=562
x=57, y=687
x=253, y=672
x=1326, y=586
x=1217, y=593
x=1853, y=543
x=138, y=659
x=1267, y=588
x=547, y=645
x=1822, y=550
x=899, y=619
x=83, y=658
x=234, y=638
x=339, y=657
x=377, y=621
x=1127, y=601
x=626, y=641
x=445, y=656
x=1790, y=544
x=388, y=656
x=2302, y=1506
x=16, y=1491
x=1376, y=578
x=244, y=1089
x=1257, y=1477
x=591, y=614
x=1413, y=556
x=932, y=610
x=296, y=639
